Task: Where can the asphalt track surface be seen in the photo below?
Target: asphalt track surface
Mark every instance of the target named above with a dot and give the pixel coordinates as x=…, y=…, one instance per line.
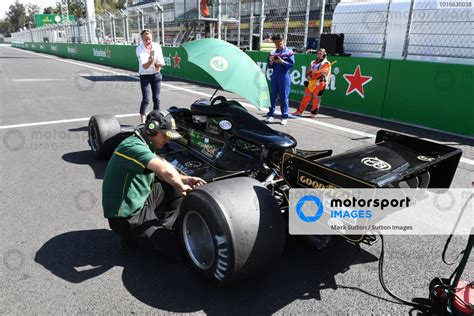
x=58, y=256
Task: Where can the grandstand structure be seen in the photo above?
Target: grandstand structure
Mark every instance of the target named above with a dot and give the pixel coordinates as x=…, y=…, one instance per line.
x=395, y=29
x=242, y=22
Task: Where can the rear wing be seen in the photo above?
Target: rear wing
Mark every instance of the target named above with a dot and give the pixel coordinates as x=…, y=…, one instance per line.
x=395, y=160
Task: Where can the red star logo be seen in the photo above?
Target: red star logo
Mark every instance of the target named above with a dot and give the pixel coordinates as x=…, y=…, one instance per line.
x=356, y=82
x=176, y=60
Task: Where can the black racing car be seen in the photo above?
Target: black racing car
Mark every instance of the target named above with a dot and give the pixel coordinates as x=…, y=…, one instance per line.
x=236, y=224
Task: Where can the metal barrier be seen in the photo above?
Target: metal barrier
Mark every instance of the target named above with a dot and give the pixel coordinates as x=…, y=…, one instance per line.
x=371, y=28
x=411, y=29
x=175, y=21
x=440, y=32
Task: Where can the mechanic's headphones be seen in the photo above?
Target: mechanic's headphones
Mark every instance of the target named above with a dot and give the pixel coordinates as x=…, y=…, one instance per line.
x=153, y=125
x=152, y=128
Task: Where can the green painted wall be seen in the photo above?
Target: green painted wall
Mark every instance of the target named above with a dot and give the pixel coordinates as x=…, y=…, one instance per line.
x=434, y=95
x=336, y=94
x=176, y=59
x=123, y=56
x=437, y=95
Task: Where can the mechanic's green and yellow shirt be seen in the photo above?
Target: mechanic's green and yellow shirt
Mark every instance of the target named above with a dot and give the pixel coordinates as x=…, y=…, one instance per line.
x=127, y=182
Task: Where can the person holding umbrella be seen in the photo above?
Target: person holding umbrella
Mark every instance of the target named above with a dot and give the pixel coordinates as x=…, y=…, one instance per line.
x=280, y=60
x=150, y=61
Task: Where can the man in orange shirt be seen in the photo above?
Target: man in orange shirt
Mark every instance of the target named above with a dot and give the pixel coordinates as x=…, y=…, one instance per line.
x=204, y=8
x=317, y=77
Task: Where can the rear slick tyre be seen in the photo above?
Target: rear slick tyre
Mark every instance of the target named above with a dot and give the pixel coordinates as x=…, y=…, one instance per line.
x=104, y=135
x=231, y=229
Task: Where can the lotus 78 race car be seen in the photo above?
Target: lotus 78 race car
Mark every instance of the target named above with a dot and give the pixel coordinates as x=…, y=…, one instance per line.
x=235, y=224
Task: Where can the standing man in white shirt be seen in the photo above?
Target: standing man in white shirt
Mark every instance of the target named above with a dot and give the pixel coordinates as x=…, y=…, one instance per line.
x=150, y=61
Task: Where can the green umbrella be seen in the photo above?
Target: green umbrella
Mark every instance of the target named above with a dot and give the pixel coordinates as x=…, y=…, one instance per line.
x=231, y=68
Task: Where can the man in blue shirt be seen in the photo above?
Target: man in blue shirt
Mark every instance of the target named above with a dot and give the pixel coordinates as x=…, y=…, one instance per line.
x=280, y=60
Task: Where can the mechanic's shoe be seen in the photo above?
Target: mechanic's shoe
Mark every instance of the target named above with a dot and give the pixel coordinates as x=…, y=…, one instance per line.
x=284, y=121
x=297, y=113
x=313, y=115
x=269, y=119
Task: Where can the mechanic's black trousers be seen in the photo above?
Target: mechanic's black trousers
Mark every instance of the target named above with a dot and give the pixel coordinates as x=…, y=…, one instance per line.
x=152, y=227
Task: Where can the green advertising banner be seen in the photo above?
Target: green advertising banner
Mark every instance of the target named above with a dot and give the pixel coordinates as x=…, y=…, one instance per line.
x=431, y=94
x=123, y=56
x=47, y=19
x=176, y=60
x=435, y=95
x=356, y=84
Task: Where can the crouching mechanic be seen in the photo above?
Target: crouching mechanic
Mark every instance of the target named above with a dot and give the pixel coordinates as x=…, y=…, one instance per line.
x=142, y=193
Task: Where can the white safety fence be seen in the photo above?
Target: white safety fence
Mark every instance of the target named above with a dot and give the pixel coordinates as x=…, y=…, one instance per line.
x=405, y=29
x=410, y=29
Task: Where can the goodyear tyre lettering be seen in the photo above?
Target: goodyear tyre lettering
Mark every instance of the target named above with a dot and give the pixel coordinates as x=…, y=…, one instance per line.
x=222, y=264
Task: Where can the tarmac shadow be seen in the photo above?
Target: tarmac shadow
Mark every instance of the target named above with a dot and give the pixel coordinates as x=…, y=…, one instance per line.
x=300, y=274
x=66, y=254
x=86, y=157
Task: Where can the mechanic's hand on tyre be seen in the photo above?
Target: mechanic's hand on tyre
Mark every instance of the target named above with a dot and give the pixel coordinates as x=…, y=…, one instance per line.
x=185, y=189
x=195, y=182
x=191, y=183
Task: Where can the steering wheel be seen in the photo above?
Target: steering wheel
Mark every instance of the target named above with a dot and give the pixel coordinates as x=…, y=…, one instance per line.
x=218, y=98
